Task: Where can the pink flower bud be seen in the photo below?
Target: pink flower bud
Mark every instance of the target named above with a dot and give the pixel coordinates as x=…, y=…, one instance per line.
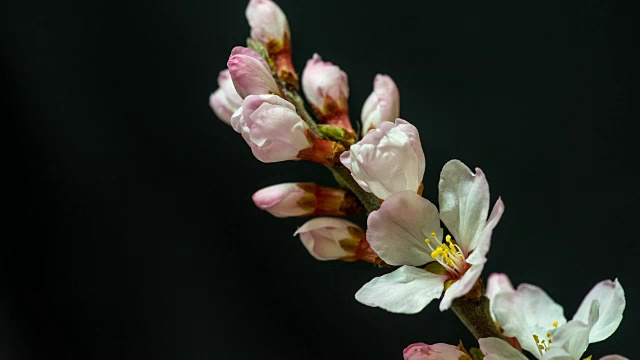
x=270, y=27
x=440, y=351
x=387, y=159
x=329, y=238
x=283, y=200
x=271, y=127
x=303, y=199
x=326, y=88
x=267, y=21
x=225, y=100
x=250, y=73
x=383, y=104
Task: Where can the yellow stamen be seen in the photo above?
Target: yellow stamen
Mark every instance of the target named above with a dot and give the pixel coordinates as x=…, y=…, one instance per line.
x=555, y=324
x=427, y=240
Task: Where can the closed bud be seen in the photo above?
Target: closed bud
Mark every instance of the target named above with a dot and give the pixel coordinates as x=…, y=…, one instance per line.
x=274, y=131
x=383, y=104
x=387, y=159
x=269, y=26
x=326, y=88
x=305, y=199
x=440, y=351
x=250, y=73
x=328, y=238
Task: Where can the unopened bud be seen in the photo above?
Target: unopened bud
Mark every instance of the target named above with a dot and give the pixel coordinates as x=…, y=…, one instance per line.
x=328, y=238
x=326, y=88
x=305, y=199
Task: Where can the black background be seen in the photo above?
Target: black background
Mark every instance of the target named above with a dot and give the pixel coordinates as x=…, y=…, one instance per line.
x=133, y=234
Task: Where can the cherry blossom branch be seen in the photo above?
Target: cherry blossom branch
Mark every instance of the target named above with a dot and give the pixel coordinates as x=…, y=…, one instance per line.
x=476, y=316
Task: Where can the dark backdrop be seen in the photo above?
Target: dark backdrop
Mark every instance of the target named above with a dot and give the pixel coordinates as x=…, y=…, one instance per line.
x=133, y=234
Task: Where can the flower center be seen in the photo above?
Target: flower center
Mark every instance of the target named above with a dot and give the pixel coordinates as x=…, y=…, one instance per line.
x=449, y=255
x=544, y=345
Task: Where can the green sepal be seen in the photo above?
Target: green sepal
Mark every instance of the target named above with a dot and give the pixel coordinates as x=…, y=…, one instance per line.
x=476, y=353
x=338, y=134
x=257, y=46
x=435, y=267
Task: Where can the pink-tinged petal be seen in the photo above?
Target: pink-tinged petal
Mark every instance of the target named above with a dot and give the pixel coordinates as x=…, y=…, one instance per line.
x=383, y=104
x=241, y=50
x=406, y=290
x=321, y=79
x=226, y=84
x=464, y=203
x=250, y=73
x=267, y=21
x=461, y=287
x=398, y=229
x=484, y=241
x=271, y=127
x=283, y=200
x=497, y=282
x=325, y=238
x=220, y=106
x=498, y=349
x=440, y=351
x=225, y=100
x=614, y=357
x=527, y=311
x=387, y=160
x=610, y=296
x=573, y=337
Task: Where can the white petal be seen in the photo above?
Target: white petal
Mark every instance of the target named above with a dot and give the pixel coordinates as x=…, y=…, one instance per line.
x=497, y=282
x=461, y=287
x=481, y=247
x=574, y=335
x=525, y=312
x=610, y=296
x=398, y=229
x=464, y=203
x=407, y=290
x=498, y=349
x=557, y=354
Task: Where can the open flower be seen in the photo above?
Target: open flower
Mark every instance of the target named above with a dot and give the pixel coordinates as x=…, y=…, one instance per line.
x=383, y=104
x=497, y=349
x=440, y=351
x=274, y=131
x=250, y=73
x=387, y=160
x=406, y=231
x=328, y=238
x=531, y=316
x=326, y=88
x=225, y=100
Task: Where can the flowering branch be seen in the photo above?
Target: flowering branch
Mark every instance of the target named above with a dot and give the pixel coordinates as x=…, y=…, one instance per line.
x=380, y=172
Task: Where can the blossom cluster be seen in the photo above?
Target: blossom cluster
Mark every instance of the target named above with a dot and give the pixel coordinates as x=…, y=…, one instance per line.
x=379, y=167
